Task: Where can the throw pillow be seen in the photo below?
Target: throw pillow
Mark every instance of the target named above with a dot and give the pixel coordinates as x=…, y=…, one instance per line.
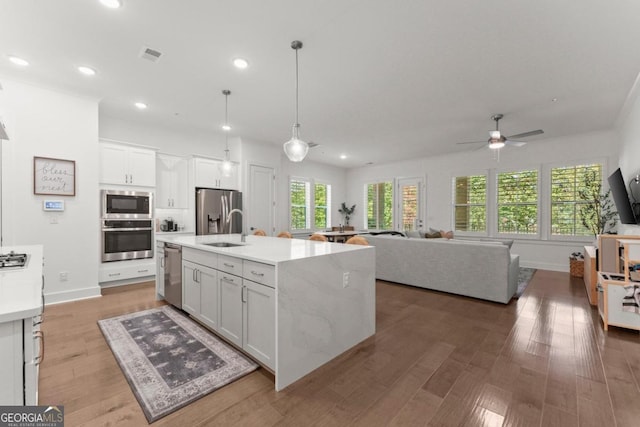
x=447, y=234
x=435, y=235
x=413, y=234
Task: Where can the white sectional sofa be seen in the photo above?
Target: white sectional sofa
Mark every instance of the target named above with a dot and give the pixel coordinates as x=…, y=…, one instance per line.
x=485, y=270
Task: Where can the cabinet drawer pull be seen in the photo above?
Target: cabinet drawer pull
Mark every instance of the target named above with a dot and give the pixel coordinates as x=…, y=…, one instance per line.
x=228, y=265
x=228, y=279
x=113, y=274
x=143, y=271
x=255, y=273
x=36, y=335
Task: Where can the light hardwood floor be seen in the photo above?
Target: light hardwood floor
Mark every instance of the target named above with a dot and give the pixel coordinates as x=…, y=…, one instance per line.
x=436, y=359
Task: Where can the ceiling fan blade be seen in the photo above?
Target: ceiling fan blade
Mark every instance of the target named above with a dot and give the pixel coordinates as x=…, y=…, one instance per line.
x=526, y=134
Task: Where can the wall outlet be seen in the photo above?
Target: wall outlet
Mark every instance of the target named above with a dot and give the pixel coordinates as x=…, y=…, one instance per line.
x=345, y=279
x=53, y=219
x=64, y=276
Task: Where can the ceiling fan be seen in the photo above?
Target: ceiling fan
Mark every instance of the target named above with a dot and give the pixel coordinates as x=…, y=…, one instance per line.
x=497, y=140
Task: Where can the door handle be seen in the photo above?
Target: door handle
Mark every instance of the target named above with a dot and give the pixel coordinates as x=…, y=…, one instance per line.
x=194, y=276
x=242, y=297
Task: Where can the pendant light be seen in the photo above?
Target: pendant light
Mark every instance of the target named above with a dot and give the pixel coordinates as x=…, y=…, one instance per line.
x=226, y=167
x=296, y=149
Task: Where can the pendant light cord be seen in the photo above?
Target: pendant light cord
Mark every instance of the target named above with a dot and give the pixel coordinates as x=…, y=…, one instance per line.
x=226, y=123
x=297, y=122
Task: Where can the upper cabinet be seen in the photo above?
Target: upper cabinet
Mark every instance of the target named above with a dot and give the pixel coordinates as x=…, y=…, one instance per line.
x=172, y=174
x=208, y=174
x=127, y=165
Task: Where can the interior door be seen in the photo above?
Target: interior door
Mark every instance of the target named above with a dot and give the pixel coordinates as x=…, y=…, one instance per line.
x=410, y=207
x=260, y=201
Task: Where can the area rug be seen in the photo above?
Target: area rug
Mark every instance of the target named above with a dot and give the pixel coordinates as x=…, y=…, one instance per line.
x=169, y=360
x=524, y=277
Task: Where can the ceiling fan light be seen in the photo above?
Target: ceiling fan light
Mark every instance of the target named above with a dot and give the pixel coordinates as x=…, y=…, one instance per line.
x=494, y=134
x=494, y=144
x=296, y=149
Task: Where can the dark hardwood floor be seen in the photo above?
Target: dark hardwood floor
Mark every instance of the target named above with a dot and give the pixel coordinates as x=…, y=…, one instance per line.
x=436, y=359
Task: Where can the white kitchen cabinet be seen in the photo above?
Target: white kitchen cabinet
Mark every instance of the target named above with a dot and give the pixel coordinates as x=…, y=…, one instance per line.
x=171, y=182
x=20, y=358
x=127, y=165
x=190, y=288
x=11, y=363
x=208, y=175
x=259, y=314
x=200, y=294
x=209, y=295
x=230, y=307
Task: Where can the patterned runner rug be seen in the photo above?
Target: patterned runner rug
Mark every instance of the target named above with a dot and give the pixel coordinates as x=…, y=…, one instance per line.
x=169, y=360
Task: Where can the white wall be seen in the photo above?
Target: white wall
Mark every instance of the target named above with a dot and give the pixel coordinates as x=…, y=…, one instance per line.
x=438, y=172
x=628, y=128
x=47, y=123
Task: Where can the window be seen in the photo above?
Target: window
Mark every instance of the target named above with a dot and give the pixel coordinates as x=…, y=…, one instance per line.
x=299, y=193
x=310, y=204
x=322, y=206
x=518, y=202
x=380, y=205
x=470, y=203
x=566, y=184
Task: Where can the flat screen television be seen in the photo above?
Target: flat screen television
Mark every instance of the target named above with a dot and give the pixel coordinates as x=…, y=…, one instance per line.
x=621, y=198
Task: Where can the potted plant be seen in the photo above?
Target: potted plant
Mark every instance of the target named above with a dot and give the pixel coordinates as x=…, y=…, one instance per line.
x=598, y=214
x=346, y=212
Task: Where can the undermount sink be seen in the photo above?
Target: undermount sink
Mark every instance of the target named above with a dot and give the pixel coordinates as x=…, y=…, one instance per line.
x=224, y=244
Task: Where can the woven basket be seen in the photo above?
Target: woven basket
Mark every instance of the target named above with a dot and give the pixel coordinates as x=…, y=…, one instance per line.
x=576, y=267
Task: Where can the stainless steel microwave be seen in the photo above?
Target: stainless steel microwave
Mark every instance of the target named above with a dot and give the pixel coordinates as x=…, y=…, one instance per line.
x=117, y=204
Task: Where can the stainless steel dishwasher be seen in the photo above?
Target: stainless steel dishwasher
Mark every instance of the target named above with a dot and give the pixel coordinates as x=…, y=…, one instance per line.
x=173, y=274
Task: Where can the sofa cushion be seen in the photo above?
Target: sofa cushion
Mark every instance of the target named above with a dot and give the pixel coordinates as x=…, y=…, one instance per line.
x=413, y=234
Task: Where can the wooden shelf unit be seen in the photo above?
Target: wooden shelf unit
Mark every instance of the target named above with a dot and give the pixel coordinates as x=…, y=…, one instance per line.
x=612, y=288
x=590, y=274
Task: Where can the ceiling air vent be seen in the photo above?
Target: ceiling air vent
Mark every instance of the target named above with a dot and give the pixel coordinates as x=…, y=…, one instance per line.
x=150, y=54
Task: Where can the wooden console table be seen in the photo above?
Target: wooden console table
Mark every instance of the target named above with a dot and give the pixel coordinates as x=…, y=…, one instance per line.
x=590, y=274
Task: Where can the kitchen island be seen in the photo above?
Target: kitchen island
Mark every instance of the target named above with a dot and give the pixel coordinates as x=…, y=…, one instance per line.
x=291, y=304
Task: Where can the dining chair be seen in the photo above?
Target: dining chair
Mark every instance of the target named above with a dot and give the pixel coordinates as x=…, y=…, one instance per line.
x=318, y=238
x=357, y=240
x=285, y=235
x=259, y=233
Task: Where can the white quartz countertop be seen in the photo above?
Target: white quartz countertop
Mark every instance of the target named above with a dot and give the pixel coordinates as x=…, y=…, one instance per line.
x=21, y=289
x=268, y=250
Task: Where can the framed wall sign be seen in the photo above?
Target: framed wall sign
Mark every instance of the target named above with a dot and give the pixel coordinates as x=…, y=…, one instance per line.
x=54, y=176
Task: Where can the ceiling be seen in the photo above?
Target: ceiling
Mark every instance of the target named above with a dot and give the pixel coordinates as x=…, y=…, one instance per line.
x=380, y=81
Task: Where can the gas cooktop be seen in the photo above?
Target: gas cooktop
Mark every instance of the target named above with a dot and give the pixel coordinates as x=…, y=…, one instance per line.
x=13, y=260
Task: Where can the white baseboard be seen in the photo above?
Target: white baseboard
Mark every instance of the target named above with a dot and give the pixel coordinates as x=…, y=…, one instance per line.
x=546, y=266
x=73, y=295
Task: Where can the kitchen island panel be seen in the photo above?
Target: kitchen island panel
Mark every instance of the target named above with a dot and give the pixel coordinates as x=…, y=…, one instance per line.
x=317, y=316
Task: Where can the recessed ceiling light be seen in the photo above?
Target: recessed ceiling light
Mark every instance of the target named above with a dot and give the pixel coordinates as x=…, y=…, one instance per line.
x=18, y=61
x=554, y=100
x=111, y=4
x=87, y=71
x=140, y=105
x=240, y=63
x=226, y=128
x=343, y=156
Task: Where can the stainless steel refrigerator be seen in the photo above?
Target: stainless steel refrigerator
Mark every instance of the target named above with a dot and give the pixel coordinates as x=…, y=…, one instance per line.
x=212, y=210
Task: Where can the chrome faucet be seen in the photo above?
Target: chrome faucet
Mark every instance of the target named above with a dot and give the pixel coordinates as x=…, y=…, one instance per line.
x=243, y=235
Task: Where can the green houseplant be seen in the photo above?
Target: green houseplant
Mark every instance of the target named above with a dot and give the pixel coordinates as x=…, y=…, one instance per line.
x=598, y=214
x=346, y=212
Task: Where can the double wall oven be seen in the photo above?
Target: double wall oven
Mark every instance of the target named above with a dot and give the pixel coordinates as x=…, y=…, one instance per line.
x=127, y=225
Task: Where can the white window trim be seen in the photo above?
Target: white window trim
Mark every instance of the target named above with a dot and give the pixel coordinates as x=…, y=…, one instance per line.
x=488, y=223
x=547, y=199
x=365, y=201
x=311, y=208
